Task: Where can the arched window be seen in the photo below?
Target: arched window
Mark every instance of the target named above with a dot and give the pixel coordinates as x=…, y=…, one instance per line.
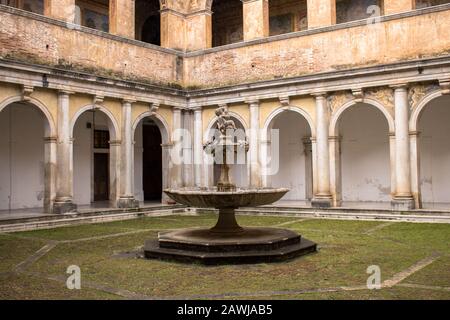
x=351, y=10
x=227, y=22
x=148, y=21
x=287, y=16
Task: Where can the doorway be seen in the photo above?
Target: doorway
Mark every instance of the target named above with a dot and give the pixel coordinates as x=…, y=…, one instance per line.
x=152, y=162
x=101, y=177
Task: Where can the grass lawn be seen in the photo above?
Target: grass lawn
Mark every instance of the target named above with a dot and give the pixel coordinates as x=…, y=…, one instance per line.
x=337, y=271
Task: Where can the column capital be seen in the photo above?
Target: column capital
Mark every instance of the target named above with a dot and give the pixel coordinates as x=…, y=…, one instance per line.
x=115, y=142
x=167, y=145
x=52, y=139
x=399, y=86
x=197, y=109
x=128, y=100
x=199, y=13
x=65, y=92
x=334, y=138
x=414, y=133
x=252, y=102
x=320, y=94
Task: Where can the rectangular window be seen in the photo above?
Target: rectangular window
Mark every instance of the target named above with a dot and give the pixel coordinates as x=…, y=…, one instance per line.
x=94, y=14
x=287, y=16
x=352, y=10
x=429, y=3
x=35, y=6
x=101, y=139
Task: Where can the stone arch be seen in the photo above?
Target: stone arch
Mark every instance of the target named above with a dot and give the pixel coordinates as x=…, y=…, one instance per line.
x=50, y=128
x=415, y=115
x=160, y=122
x=333, y=129
x=269, y=121
x=114, y=128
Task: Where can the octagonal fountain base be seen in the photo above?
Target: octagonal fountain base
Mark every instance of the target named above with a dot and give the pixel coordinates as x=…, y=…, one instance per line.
x=250, y=245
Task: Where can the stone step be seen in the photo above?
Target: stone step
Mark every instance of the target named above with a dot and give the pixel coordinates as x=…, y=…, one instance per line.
x=54, y=221
x=153, y=251
x=381, y=215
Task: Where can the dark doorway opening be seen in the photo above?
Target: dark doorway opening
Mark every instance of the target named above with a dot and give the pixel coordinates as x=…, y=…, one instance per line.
x=101, y=176
x=151, y=30
x=152, y=162
x=148, y=21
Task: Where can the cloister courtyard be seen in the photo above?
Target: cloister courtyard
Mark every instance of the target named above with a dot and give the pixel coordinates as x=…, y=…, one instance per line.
x=413, y=258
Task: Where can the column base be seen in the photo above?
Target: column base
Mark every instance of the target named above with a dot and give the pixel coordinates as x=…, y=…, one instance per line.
x=61, y=207
x=322, y=202
x=403, y=203
x=127, y=203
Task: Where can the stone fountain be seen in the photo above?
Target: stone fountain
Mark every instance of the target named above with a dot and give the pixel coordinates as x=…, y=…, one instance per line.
x=227, y=242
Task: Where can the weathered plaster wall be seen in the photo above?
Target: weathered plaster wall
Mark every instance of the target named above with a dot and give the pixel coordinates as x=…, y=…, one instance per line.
x=365, y=154
x=292, y=170
x=21, y=157
x=386, y=42
x=435, y=152
x=34, y=41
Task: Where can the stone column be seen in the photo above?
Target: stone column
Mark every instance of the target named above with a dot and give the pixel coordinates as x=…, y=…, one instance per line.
x=403, y=199
x=307, y=147
x=398, y=6
x=60, y=9
x=323, y=196
x=335, y=170
x=415, y=168
x=166, y=170
x=188, y=154
x=64, y=177
x=176, y=155
x=321, y=13
x=199, y=30
x=198, y=147
x=265, y=155
x=255, y=167
x=114, y=171
x=51, y=144
x=122, y=18
x=126, y=197
x=171, y=20
x=256, y=19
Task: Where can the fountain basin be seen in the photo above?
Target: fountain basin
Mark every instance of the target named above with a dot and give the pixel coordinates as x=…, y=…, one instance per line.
x=229, y=199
